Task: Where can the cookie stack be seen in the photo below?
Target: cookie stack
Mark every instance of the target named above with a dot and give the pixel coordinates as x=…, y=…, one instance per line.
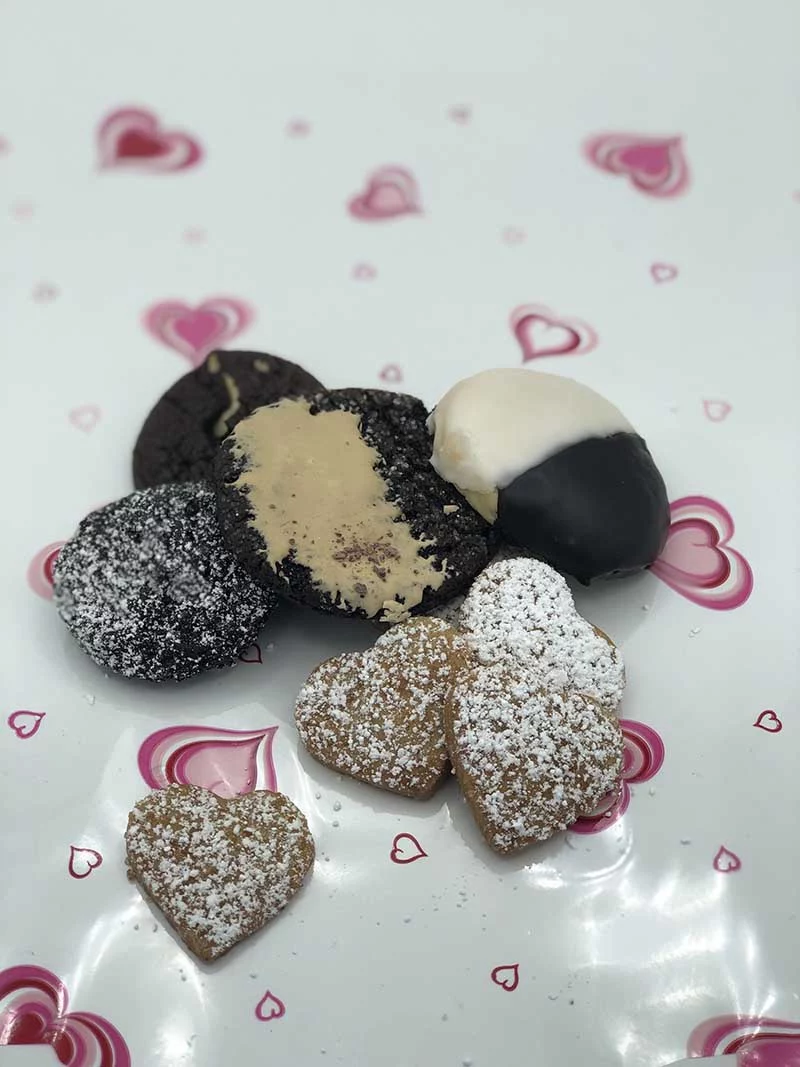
x=255, y=483
x=520, y=700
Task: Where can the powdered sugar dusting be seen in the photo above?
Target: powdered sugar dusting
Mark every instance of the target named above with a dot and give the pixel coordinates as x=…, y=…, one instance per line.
x=451, y=611
x=218, y=869
x=529, y=761
x=148, y=589
x=376, y=715
x=520, y=611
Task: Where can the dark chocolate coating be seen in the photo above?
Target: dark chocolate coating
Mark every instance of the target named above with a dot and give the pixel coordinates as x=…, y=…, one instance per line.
x=180, y=436
x=394, y=424
x=593, y=510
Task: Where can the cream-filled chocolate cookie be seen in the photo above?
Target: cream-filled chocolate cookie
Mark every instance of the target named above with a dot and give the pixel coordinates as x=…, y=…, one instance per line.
x=334, y=502
x=557, y=467
x=180, y=436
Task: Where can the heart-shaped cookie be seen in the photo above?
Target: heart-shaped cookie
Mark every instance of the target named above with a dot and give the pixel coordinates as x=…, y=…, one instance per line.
x=529, y=760
x=218, y=869
x=377, y=715
x=520, y=611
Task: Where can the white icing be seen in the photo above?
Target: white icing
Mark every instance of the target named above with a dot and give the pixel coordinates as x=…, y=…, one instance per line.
x=494, y=426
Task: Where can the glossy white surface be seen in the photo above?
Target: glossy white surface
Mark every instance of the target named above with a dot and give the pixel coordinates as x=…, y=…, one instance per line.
x=626, y=940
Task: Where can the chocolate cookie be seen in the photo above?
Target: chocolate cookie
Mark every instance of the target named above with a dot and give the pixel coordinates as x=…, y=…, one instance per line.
x=181, y=434
x=334, y=502
x=558, y=468
x=148, y=589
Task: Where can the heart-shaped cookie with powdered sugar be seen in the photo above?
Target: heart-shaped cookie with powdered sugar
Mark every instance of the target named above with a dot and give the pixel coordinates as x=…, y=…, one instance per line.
x=529, y=759
x=520, y=612
x=377, y=715
x=218, y=869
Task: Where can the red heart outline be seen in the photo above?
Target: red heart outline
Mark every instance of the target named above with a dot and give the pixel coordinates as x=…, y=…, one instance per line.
x=277, y=1009
x=398, y=853
x=768, y=716
x=25, y=724
x=725, y=861
x=90, y=856
x=511, y=981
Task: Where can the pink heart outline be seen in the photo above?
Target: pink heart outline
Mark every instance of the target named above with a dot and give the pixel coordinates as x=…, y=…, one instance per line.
x=392, y=374
x=25, y=724
x=176, y=150
x=506, y=975
x=725, y=861
x=277, y=1009
x=643, y=758
x=697, y=560
x=399, y=854
x=39, y=574
x=255, y=654
x=193, y=332
x=541, y=332
x=33, y=1011
x=82, y=858
x=768, y=1039
x=364, y=272
x=768, y=716
x=85, y=417
x=389, y=193
x=228, y=762
x=655, y=166
x=716, y=410
x=663, y=272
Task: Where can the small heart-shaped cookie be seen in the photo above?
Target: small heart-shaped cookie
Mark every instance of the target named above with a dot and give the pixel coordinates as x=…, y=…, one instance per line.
x=218, y=869
x=377, y=715
x=520, y=611
x=529, y=761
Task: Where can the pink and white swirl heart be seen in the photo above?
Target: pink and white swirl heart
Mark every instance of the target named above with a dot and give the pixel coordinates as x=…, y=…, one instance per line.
x=194, y=331
x=655, y=166
x=33, y=1011
x=133, y=138
x=698, y=561
x=228, y=762
x=757, y=1041
x=389, y=193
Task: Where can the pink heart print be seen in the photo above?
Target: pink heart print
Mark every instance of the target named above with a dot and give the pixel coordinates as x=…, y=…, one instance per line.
x=769, y=722
x=25, y=724
x=541, y=332
x=33, y=1011
x=716, y=410
x=655, y=166
x=82, y=861
x=406, y=849
x=85, y=417
x=388, y=193
x=228, y=762
x=194, y=331
x=697, y=560
x=663, y=272
x=726, y=861
x=40, y=569
x=252, y=654
x=270, y=1007
x=134, y=139
x=364, y=272
x=643, y=757
x=391, y=374
x=757, y=1041
x=506, y=976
